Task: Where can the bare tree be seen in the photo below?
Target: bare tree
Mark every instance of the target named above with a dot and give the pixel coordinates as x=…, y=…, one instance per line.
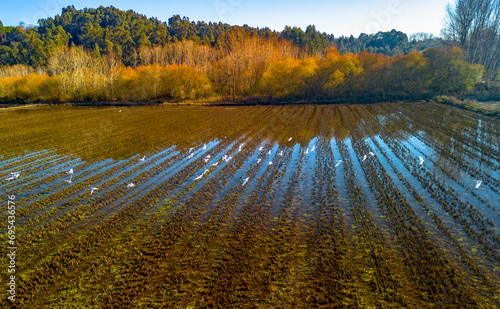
x=474, y=26
x=111, y=65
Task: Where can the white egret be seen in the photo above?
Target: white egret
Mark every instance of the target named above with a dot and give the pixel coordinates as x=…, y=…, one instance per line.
x=241, y=146
x=314, y=147
x=93, y=189
x=199, y=177
x=130, y=185
x=307, y=151
x=290, y=139
x=190, y=150
x=281, y=153
x=259, y=160
x=338, y=163
x=70, y=178
x=207, y=158
x=372, y=154
x=261, y=148
x=142, y=159
x=70, y=172
x=364, y=158
x=421, y=160
x=14, y=176
x=270, y=163
x=478, y=183
x=215, y=164
x=204, y=146
x=245, y=181
x=269, y=152
x=190, y=156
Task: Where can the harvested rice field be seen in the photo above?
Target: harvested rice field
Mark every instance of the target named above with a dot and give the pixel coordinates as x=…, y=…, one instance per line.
x=391, y=205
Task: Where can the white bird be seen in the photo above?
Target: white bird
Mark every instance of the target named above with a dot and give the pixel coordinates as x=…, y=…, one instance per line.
x=190, y=150
x=142, y=159
x=70, y=172
x=93, y=189
x=338, y=163
x=228, y=159
x=259, y=160
x=245, y=181
x=131, y=185
x=15, y=175
x=207, y=158
x=261, y=148
x=478, y=183
x=290, y=139
x=190, y=156
x=281, y=153
x=241, y=146
x=270, y=163
x=307, y=151
x=70, y=178
x=120, y=111
x=204, y=146
x=215, y=164
x=314, y=147
x=364, y=158
x=199, y=177
x=372, y=154
x=421, y=160
x=269, y=152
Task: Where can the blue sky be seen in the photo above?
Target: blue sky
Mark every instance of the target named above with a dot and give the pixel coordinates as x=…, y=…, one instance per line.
x=334, y=16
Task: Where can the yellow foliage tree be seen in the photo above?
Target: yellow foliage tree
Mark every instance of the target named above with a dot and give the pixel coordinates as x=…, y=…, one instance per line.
x=126, y=84
x=183, y=82
x=287, y=78
x=340, y=72
x=154, y=82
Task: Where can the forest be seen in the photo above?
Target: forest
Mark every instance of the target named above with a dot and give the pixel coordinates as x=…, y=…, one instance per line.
x=106, y=54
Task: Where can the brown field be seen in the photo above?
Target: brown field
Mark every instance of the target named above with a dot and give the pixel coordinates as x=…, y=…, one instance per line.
x=363, y=206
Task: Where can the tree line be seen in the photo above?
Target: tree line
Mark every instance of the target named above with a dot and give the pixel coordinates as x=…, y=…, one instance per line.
x=106, y=54
x=249, y=68
x=127, y=32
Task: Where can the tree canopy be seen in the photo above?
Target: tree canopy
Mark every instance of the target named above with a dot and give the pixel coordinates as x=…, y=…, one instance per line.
x=109, y=54
x=126, y=32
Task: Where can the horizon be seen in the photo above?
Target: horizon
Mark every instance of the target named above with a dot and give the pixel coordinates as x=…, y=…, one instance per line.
x=332, y=18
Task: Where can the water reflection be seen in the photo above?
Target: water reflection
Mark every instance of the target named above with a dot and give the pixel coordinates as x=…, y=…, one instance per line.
x=347, y=186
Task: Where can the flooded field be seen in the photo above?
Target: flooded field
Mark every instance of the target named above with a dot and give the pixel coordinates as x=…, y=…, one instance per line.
x=370, y=206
